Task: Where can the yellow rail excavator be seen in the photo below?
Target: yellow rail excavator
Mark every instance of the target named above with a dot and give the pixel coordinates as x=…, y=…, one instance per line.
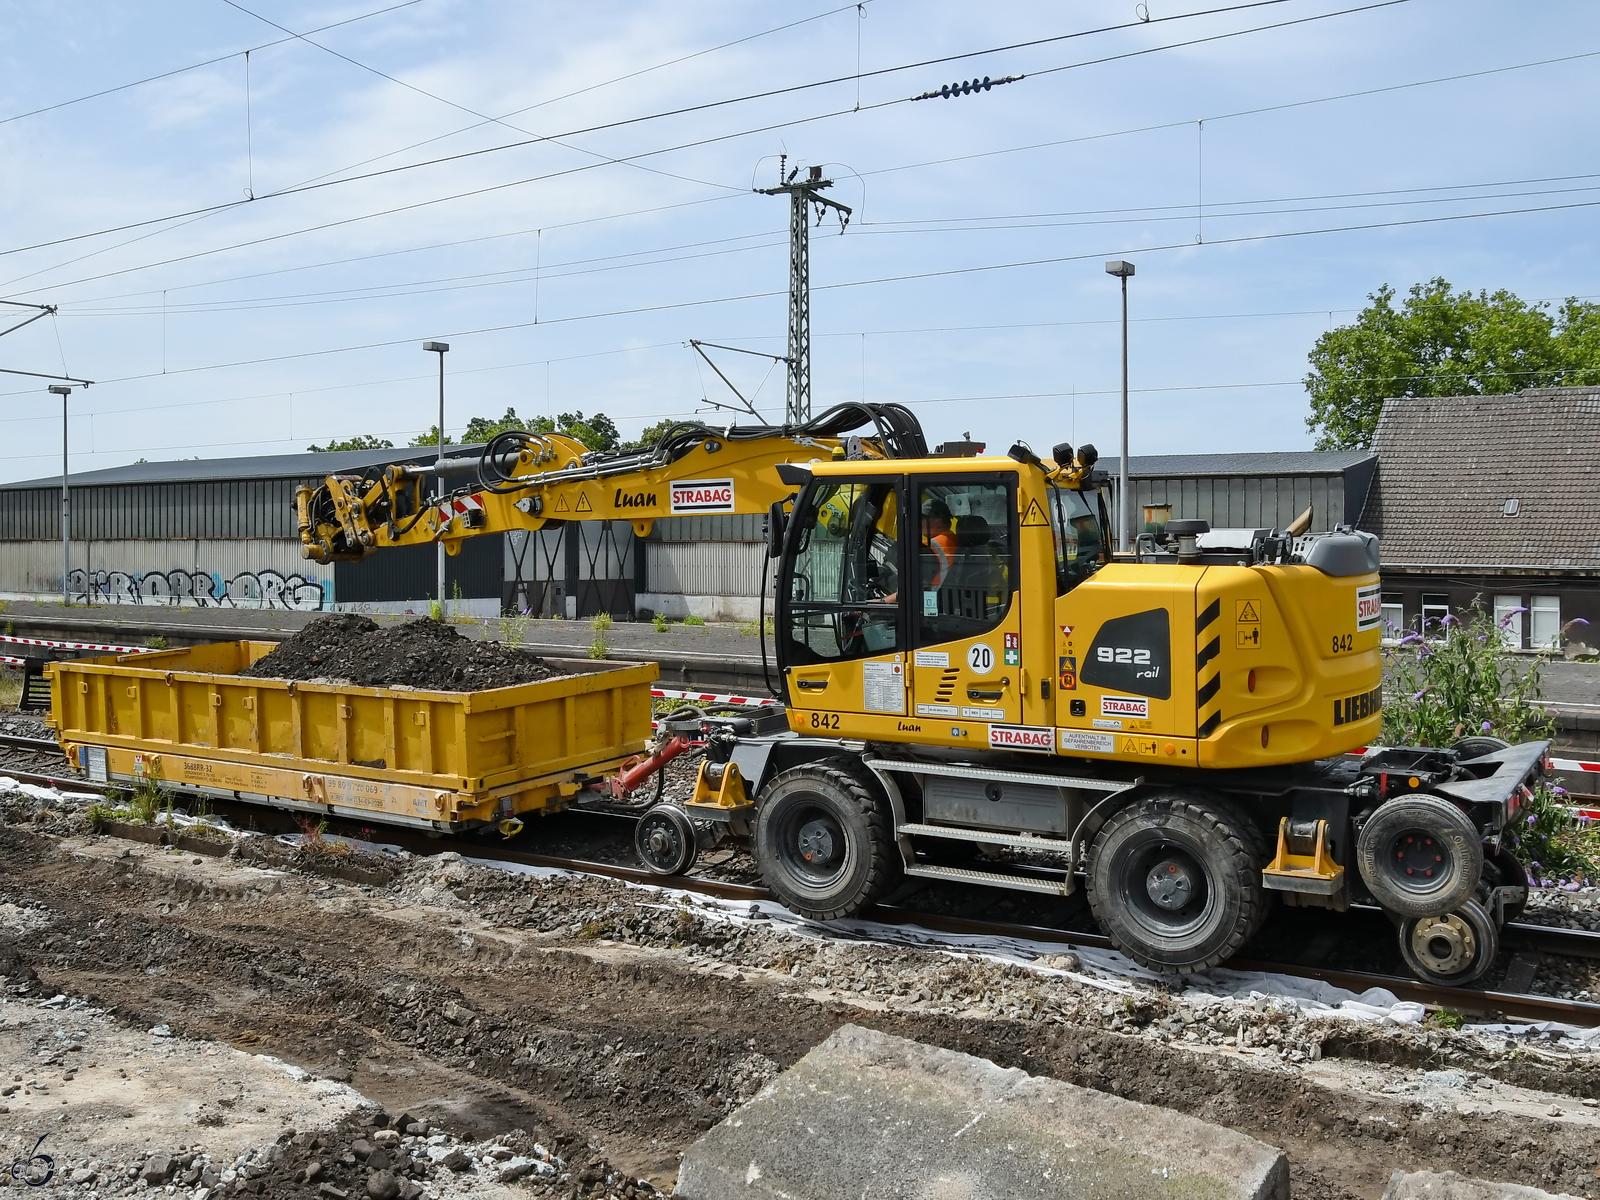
x=976, y=688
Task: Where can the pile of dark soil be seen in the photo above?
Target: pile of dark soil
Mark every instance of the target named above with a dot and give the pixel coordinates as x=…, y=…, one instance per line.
x=424, y=654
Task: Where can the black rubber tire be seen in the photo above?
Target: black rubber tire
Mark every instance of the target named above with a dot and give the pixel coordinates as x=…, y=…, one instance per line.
x=828, y=810
x=665, y=841
x=1214, y=846
x=1455, y=949
x=1472, y=747
x=1424, y=828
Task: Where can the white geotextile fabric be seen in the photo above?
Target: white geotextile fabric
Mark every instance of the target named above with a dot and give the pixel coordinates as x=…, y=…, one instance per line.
x=35, y=792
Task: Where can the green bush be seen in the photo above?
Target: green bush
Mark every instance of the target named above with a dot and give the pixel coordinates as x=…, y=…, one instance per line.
x=693, y=620
x=1458, y=679
x=659, y=623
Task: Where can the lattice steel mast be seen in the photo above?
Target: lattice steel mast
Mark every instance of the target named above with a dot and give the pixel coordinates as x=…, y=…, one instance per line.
x=802, y=195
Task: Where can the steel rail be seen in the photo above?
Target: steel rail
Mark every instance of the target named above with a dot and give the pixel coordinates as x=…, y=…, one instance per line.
x=1539, y=938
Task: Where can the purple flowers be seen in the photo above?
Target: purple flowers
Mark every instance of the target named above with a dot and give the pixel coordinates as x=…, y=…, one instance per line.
x=1487, y=726
x=1415, y=696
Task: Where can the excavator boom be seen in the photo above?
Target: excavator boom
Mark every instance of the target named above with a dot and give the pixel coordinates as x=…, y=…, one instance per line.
x=523, y=480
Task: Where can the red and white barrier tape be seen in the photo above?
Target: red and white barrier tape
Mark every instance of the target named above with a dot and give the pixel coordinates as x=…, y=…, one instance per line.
x=22, y=641
x=1574, y=764
x=710, y=697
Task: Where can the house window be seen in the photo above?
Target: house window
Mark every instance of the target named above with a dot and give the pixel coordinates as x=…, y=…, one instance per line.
x=1508, y=619
x=1544, y=622
x=1435, y=608
x=1393, y=614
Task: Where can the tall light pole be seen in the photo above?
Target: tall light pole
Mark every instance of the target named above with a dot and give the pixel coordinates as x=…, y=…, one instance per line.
x=440, y=348
x=1124, y=543
x=62, y=390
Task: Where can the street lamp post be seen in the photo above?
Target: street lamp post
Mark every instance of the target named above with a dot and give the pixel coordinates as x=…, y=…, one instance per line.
x=1123, y=270
x=440, y=348
x=62, y=390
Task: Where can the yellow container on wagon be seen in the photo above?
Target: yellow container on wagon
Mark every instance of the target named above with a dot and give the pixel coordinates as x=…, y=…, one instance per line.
x=442, y=760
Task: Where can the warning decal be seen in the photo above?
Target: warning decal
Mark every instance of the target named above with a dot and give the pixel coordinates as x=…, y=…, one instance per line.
x=562, y=505
x=584, y=505
x=1034, y=515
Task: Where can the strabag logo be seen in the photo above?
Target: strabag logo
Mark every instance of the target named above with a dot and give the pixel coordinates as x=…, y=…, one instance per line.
x=1369, y=607
x=1124, y=706
x=1022, y=737
x=702, y=495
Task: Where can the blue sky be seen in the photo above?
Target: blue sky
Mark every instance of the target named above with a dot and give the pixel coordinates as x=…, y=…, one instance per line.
x=567, y=279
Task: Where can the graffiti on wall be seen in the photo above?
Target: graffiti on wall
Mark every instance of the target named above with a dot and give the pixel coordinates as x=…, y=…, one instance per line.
x=248, y=589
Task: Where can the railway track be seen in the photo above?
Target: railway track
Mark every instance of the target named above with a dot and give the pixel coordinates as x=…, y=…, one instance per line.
x=1516, y=936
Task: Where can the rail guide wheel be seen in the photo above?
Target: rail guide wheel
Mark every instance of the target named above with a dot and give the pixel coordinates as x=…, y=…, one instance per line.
x=1175, y=881
x=1455, y=949
x=665, y=840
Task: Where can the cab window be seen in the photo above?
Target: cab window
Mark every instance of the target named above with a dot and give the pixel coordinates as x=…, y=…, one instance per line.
x=845, y=574
x=1080, y=541
x=966, y=559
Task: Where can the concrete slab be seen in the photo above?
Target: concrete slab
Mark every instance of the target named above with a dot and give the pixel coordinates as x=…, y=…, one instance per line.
x=1431, y=1185
x=868, y=1114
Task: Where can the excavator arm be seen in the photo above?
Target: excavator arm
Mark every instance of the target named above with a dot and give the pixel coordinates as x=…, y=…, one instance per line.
x=525, y=480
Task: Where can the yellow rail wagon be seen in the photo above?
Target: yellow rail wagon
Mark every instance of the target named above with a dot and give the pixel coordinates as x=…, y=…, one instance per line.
x=450, y=761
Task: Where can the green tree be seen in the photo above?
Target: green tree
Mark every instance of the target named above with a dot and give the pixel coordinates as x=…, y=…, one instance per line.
x=362, y=441
x=481, y=429
x=431, y=438
x=651, y=435
x=597, y=432
x=1440, y=342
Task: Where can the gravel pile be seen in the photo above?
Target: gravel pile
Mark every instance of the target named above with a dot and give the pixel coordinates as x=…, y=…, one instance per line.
x=1577, y=909
x=425, y=654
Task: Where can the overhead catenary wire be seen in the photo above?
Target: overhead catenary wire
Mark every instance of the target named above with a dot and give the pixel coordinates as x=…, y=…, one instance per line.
x=902, y=278
x=552, y=271
x=861, y=227
x=749, y=97
x=1018, y=149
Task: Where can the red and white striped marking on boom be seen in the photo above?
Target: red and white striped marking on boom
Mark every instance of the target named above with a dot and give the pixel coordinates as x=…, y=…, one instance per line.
x=456, y=506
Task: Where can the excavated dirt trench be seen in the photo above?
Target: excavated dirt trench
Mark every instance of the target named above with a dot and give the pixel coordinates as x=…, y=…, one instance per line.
x=482, y=1014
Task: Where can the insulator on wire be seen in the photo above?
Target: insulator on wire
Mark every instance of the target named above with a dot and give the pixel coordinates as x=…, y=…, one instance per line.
x=967, y=87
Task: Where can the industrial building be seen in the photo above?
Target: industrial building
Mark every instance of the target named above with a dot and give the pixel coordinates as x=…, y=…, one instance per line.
x=214, y=533
x=221, y=532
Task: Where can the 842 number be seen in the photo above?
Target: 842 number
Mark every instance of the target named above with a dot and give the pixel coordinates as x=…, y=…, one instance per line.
x=822, y=720
x=1343, y=643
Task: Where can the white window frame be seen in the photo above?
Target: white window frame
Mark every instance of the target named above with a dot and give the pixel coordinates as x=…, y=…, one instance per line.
x=1510, y=610
x=1544, y=624
x=1392, y=619
x=1434, y=612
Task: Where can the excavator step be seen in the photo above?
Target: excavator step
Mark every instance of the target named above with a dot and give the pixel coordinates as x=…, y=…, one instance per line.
x=993, y=879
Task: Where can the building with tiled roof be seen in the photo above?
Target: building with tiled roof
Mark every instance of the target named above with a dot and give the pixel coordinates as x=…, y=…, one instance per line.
x=1494, y=499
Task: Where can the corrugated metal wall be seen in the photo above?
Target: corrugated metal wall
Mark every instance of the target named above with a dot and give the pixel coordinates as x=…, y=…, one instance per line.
x=1235, y=502
x=412, y=573
x=233, y=508
x=208, y=572
x=704, y=568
